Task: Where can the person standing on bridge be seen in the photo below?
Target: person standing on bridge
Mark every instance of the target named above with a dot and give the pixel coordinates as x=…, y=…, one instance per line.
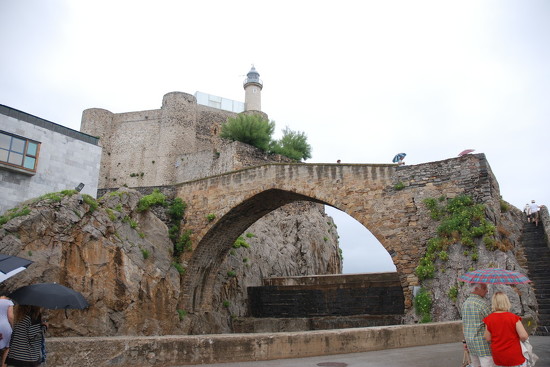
x=474, y=310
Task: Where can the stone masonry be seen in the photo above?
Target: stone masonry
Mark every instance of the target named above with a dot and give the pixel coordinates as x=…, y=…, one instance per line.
x=176, y=143
x=369, y=193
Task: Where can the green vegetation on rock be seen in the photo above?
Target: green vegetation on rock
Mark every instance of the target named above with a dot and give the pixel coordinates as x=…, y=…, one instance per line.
x=423, y=305
x=461, y=221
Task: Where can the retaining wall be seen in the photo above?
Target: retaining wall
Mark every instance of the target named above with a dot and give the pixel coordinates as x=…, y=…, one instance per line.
x=177, y=350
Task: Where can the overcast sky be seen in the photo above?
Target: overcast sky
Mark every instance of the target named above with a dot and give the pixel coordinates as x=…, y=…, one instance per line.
x=363, y=79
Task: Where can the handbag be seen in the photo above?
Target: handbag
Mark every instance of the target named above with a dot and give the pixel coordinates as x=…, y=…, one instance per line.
x=527, y=351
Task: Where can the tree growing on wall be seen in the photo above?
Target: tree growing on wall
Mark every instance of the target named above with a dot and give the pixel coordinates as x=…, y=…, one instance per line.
x=257, y=131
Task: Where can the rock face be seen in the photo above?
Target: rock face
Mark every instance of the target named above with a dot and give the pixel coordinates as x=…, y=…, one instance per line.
x=298, y=239
x=510, y=256
x=121, y=261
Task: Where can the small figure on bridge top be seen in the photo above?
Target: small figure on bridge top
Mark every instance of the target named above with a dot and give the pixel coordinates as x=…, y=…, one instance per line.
x=338, y=161
x=534, y=212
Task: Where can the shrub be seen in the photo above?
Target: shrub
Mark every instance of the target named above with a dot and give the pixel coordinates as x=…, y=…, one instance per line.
x=453, y=293
x=155, y=198
x=173, y=233
x=399, y=186
x=240, y=242
x=92, y=203
x=179, y=268
x=145, y=253
x=231, y=273
x=504, y=206
x=293, y=145
x=211, y=217
x=461, y=222
x=183, y=243
x=423, y=305
x=249, y=129
x=176, y=210
x=111, y=214
x=182, y=314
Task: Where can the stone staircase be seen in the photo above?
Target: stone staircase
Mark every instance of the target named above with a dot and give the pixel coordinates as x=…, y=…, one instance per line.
x=538, y=259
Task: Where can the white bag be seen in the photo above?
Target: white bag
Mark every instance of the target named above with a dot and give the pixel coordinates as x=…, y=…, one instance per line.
x=527, y=351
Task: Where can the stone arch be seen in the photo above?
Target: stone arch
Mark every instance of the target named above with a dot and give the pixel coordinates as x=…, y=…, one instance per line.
x=214, y=246
x=216, y=243
x=386, y=199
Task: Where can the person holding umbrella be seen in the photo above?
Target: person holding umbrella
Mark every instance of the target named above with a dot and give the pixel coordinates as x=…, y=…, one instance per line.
x=26, y=340
x=398, y=158
x=474, y=310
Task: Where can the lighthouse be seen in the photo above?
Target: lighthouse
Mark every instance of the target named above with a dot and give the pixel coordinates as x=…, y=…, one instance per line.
x=253, y=91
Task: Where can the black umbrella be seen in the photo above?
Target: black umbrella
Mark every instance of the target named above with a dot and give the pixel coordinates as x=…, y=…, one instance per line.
x=11, y=265
x=49, y=295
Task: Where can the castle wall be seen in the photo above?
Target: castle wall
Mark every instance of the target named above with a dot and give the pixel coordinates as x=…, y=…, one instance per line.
x=179, y=141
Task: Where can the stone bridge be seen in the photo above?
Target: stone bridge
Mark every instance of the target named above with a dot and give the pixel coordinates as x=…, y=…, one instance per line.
x=386, y=199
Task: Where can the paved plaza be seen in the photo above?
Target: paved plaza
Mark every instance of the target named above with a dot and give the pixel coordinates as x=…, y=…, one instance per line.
x=439, y=355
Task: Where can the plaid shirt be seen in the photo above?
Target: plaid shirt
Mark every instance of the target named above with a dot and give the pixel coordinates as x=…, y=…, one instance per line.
x=474, y=310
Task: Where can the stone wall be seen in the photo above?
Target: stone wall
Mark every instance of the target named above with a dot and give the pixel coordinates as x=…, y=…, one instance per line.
x=344, y=295
x=172, y=350
x=152, y=148
x=66, y=158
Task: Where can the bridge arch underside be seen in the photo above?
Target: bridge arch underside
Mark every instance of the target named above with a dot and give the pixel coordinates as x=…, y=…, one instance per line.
x=215, y=245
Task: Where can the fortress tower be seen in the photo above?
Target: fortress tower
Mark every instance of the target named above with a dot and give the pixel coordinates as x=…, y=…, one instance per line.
x=253, y=91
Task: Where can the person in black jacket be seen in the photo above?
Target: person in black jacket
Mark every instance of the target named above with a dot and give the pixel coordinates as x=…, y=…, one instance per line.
x=27, y=337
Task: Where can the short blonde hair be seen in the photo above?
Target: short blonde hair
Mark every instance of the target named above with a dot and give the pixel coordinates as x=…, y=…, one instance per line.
x=500, y=302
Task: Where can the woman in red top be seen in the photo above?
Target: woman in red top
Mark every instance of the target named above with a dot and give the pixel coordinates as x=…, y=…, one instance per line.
x=504, y=331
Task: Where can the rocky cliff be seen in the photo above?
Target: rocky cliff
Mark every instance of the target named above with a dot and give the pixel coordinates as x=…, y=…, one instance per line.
x=121, y=261
x=448, y=294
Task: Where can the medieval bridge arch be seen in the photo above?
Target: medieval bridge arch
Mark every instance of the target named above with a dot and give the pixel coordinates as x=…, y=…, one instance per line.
x=370, y=193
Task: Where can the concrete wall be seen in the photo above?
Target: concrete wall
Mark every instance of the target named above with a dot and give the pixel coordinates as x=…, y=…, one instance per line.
x=172, y=350
x=66, y=158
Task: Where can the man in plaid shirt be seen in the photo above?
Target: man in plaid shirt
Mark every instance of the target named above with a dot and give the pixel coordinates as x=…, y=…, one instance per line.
x=474, y=310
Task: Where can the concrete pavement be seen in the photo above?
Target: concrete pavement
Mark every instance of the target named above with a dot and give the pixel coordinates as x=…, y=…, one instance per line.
x=438, y=355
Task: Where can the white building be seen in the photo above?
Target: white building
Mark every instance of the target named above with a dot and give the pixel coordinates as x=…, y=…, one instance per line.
x=38, y=157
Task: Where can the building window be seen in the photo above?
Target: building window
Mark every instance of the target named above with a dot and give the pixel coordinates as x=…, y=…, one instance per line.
x=18, y=151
